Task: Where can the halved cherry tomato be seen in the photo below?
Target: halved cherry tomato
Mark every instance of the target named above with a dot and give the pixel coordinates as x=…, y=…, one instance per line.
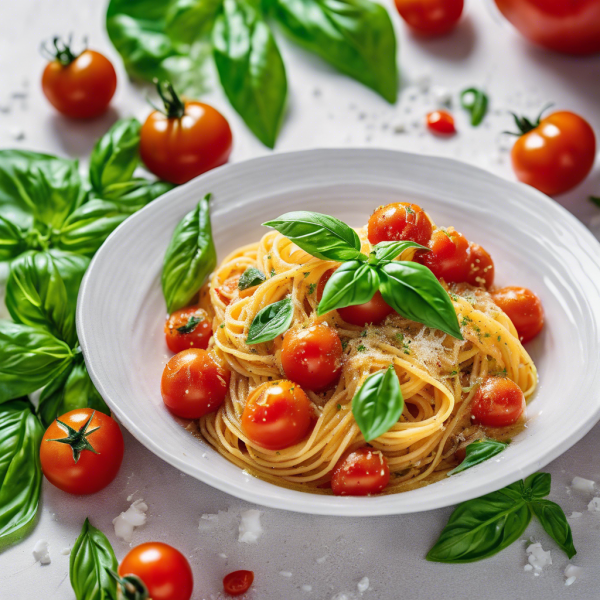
x=238, y=582
x=399, y=221
x=430, y=17
x=79, y=86
x=165, y=572
x=449, y=256
x=374, y=311
x=498, y=402
x=185, y=141
x=441, y=121
x=278, y=414
x=481, y=267
x=312, y=357
x=554, y=154
x=523, y=308
x=188, y=328
x=360, y=473
x=87, y=456
x=193, y=384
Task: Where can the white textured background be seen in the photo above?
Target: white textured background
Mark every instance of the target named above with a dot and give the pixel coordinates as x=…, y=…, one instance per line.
x=325, y=109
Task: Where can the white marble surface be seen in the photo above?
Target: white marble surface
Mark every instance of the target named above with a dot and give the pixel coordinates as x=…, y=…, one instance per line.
x=325, y=109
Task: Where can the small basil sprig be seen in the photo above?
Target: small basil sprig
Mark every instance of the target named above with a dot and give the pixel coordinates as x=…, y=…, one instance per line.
x=190, y=325
x=481, y=527
x=475, y=102
x=478, y=452
x=250, y=277
x=271, y=321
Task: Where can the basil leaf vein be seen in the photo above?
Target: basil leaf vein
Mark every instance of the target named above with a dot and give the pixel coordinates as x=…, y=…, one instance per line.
x=478, y=452
x=12, y=240
x=538, y=485
x=251, y=277
x=271, y=321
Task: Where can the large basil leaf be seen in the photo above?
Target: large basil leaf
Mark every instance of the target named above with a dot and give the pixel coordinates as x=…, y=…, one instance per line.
x=132, y=195
x=353, y=283
x=554, y=522
x=538, y=485
x=190, y=257
x=478, y=452
x=413, y=291
x=91, y=559
x=250, y=68
x=20, y=471
x=320, y=235
x=42, y=291
x=30, y=357
x=271, y=321
x=355, y=36
x=12, y=240
x=378, y=403
x=386, y=251
x=482, y=527
x=188, y=20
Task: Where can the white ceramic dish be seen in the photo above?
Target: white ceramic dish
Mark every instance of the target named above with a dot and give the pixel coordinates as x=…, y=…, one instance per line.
x=533, y=240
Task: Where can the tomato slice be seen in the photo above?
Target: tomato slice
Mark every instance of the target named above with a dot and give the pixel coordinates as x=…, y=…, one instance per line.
x=238, y=582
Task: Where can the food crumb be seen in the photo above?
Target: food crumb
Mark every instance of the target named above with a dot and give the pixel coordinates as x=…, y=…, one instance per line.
x=66, y=551
x=363, y=585
x=250, y=529
x=575, y=515
x=307, y=588
x=538, y=558
x=571, y=574
x=285, y=573
x=134, y=516
x=581, y=484
x=321, y=560
x=41, y=552
x=594, y=505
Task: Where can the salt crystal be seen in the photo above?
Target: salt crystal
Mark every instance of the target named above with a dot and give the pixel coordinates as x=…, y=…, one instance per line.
x=41, y=552
x=66, y=551
x=594, y=505
x=528, y=567
x=583, y=485
x=307, y=588
x=363, y=585
x=570, y=581
x=575, y=515
x=571, y=571
x=285, y=573
x=321, y=560
x=250, y=528
x=134, y=516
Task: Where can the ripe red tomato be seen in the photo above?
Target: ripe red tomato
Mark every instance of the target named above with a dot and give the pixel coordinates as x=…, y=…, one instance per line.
x=188, y=328
x=323, y=282
x=185, y=141
x=193, y=384
x=360, y=473
x=523, y=308
x=430, y=17
x=481, y=267
x=571, y=26
x=163, y=569
x=554, y=154
x=400, y=221
x=92, y=457
x=498, y=402
x=374, y=311
x=449, y=256
x=277, y=415
x=238, y=582
x=441, y=122
x=79, y=86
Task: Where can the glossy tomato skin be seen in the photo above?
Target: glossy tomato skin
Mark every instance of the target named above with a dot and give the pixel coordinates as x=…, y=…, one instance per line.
x=277, y=415
x=523, y=308
x=399, y=221
x=374, y=311
x=163, y=569
x=312, y=357
x=498, y=402
x=238, y=582
x=179, y=149
x=92, y=472
x=193, y=384
x=481, y=267
x=557, y=155
x=572, y=27
x=441, y=122
x=82, y=89
x=361, y=472
x=430, y=17
x=197, y=338
x=449, y=256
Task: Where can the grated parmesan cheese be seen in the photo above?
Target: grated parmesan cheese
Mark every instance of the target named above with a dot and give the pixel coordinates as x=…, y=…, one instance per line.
x=134, y=516
x=250, y=529
x=594, y=505
x=41, y=552
x=580, y=484
x=538, y=558
x=571, y=573
x=363, y=585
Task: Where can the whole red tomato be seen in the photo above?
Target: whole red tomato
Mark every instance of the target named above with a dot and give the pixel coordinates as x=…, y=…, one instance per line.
x=430, y=17
x=571, y=26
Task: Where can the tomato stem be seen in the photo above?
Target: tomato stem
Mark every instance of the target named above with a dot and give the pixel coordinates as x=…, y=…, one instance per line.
x=131, y=586
x=62, y=50
x=77, y=439
x=174, y=108
x=524, y=125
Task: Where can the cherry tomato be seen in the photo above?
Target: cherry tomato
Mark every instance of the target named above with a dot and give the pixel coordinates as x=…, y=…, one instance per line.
x=498, y=402
x=193, y=384
x=238, y=582
x=360, y=473
x=481, y=267
x=523, y=308
x=278, y=414
x=430, y=17
x=554, y=154
x=89, y=454
x=312, y=357
x=400, y=221
x=188, y=328
x=571, y=26
x=323, y=282
x=374, y=311
x=441, y=121
x=163, y=569
x=185, y=141
x=79, y=86
x=449, y=256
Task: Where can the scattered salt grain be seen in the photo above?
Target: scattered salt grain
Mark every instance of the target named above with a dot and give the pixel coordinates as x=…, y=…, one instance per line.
x=41, y=552
x=321, y=560
x=285, y=574
x=222, y=555
x=570, y=581
x=571, y=573
x=250, y=528
x=442, y=96
x=538, y=558
x=130, y=497
x=527, y=567
x=134, y=516
x=575, y=515
x=594, y=505
x=363, y=585
x=307, y=588
x=66, y=551
x=583, y=485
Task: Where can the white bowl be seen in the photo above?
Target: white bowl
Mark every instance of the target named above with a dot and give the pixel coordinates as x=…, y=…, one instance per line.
x=533, y=240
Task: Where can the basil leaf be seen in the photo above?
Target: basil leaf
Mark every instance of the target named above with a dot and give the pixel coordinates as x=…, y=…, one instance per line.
x=250, y=277
x=115, y=155
x=475, y=102
x=20, y=471
x=190, y=257
x=92, y=557
x=538, y=485
x=378, y=404
x=12, y=240
x=478, y=452
x=481, y=527
x=250, y=68
x=555, y=524
x=355, y=36
x=130, y=196
x=30, y=357
x=320, y=235
x=188, y=20
x=42, y=290
x=385, y=251
x=271, y=321
x=413, y=291
x=190, y=325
